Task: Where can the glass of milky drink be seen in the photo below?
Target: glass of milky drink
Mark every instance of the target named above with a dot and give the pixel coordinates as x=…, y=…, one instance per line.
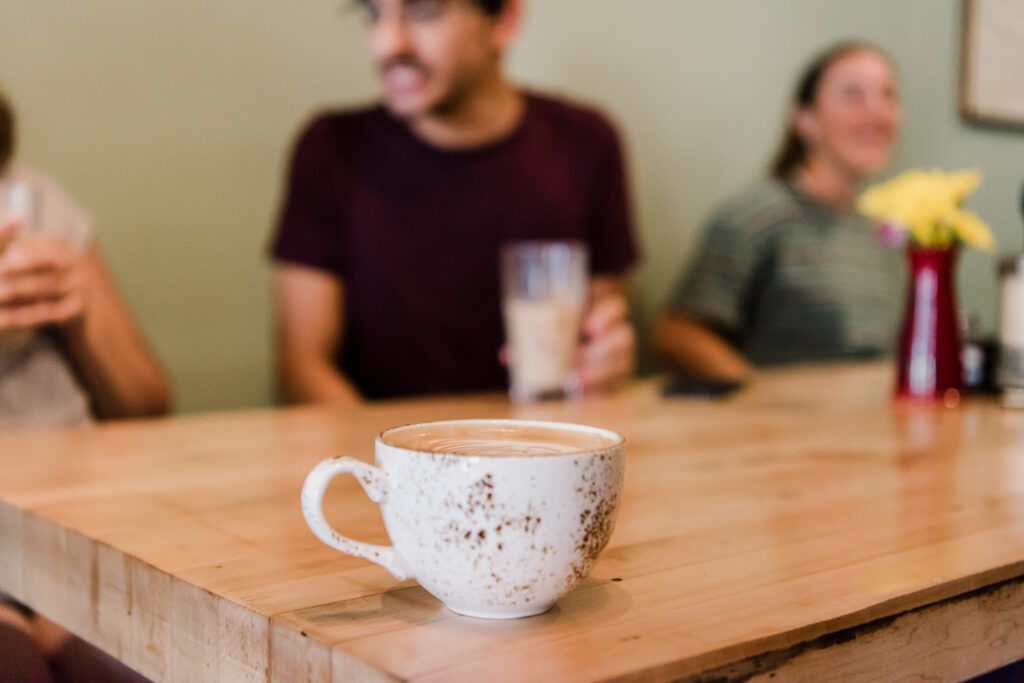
x=498, y=519
x=18, y=202
x=544, y=291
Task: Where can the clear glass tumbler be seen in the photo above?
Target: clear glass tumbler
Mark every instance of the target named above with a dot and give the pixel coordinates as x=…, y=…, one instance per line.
x=18, y=201
x=544, y=292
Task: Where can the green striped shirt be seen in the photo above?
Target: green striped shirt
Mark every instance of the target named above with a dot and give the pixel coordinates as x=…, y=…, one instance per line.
x=787, y=279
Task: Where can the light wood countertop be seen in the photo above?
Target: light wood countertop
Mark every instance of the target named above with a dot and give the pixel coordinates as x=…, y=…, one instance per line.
x=807, y=525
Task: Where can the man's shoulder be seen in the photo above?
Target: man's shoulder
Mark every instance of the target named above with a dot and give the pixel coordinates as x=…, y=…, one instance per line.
x=341, y=121
x=332, y=136
x=570, y=116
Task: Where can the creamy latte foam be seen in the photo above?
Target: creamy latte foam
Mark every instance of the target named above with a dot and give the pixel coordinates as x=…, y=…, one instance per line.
x=496, y=440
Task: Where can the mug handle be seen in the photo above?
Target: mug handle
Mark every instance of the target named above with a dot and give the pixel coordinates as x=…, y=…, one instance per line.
x=374, y=481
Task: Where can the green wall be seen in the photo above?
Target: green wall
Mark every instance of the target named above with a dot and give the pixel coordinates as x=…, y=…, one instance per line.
x=172, y=122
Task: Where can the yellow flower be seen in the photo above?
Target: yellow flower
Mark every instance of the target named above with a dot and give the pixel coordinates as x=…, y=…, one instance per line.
x=927, y=204
x=962, y=183
x=971, y=230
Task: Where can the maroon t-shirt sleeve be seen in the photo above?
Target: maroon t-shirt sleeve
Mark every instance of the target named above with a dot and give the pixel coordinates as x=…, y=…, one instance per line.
x=308, y=232
x=613, y=248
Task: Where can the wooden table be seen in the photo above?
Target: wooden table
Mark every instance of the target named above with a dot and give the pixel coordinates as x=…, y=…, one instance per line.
x=804, y=529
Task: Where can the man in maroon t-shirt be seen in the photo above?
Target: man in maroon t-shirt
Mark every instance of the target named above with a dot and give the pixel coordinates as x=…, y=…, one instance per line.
x=386, y=253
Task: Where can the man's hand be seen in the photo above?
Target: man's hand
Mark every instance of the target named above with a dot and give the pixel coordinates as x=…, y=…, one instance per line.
x=41, y=280
x=606, y=357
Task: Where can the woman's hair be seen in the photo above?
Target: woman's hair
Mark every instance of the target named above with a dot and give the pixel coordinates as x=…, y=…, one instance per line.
x=6, y=131
x=792, y=152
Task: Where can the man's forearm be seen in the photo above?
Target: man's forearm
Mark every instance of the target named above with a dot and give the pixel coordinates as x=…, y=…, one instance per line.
x=316, y=382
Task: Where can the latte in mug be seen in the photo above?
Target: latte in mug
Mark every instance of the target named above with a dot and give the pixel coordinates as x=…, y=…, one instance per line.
x=496, y=518
x=496, y=439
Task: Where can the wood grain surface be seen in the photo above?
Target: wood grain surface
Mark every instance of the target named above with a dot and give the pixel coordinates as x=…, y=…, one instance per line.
x=806, y=525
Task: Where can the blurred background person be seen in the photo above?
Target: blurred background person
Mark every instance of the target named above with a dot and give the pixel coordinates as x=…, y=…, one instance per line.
x=69, y=354
x=69, y=350
x=788, y=271
x=386, y=280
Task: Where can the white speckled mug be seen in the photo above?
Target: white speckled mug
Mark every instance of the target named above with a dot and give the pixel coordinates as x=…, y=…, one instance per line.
x=496, y=518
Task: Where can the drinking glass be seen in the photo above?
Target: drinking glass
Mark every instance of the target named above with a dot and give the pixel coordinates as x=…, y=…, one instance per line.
x=18, y=200
x=544, y=291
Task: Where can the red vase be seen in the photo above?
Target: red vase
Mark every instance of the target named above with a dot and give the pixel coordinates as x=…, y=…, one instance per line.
x=929, y=348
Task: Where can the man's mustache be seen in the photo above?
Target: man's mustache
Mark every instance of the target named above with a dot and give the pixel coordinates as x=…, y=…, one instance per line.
x=402, y=61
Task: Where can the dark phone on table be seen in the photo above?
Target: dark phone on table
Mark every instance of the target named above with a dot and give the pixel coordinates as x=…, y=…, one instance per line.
x=706, y=388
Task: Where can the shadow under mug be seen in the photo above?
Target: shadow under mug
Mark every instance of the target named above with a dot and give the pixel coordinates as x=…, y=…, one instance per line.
x=501, y=525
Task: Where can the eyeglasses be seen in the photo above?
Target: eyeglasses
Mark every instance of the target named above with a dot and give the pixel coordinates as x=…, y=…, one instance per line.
x=416, y=11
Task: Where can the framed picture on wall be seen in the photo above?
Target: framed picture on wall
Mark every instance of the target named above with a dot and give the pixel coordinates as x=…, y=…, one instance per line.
x=992, y=62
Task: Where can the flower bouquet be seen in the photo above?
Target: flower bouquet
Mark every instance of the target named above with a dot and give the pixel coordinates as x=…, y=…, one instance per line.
x=925, y=207
x=924, y=210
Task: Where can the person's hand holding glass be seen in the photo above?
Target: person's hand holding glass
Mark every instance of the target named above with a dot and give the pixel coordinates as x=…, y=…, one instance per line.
x=40, y=275
x=566, y=333
x=607, y=354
